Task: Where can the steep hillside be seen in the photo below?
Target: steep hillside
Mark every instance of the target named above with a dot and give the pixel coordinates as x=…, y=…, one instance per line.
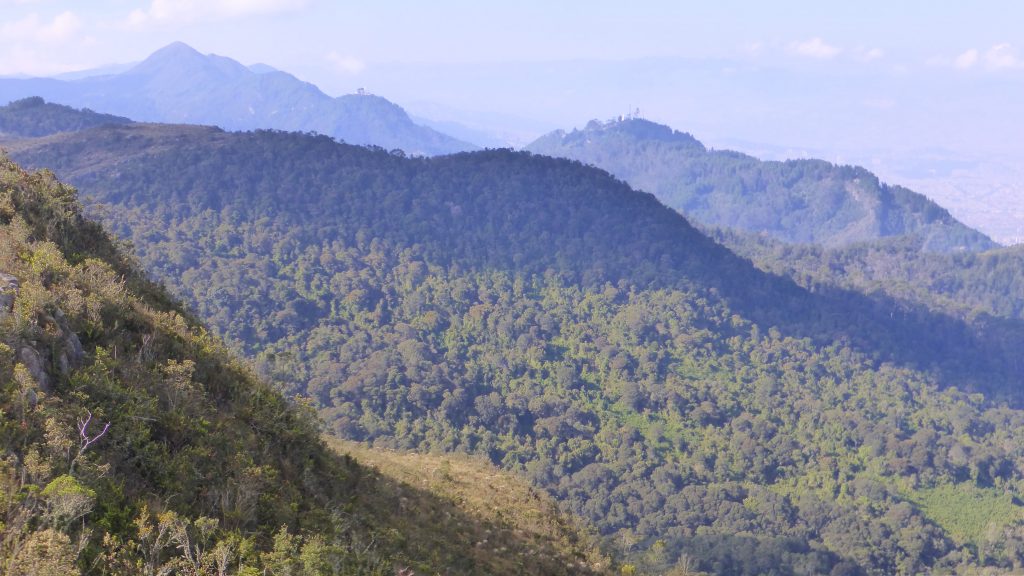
x=488, y=211
x=699, y=413
x=178, y=84
x=986, y=287
x=801, y=201
x=32, y=117
x=132, y=443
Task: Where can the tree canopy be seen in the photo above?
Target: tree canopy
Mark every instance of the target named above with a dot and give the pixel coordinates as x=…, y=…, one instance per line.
x=699, y=412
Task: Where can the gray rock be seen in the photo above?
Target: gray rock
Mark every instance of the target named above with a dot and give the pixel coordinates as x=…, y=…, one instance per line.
x=71, y=353
x=34, y=364
x=9, y=286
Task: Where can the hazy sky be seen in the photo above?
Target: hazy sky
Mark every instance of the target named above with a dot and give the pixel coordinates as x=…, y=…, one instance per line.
x=333, y=40
x=734, y=65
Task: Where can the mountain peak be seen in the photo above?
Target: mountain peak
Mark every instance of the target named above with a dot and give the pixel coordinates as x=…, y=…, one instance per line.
x=180, y=58
x=801, y=201
x=175, y=54
x=179, y=84
x=175, y=50
x=630, y=128
x=642, y=128
x=261, y=68
x=367, y=101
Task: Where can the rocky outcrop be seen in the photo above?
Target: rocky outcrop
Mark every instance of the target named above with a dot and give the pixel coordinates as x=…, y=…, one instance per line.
x=65, y=349
x=8, y=292
x=68, y=350
x=33, y=362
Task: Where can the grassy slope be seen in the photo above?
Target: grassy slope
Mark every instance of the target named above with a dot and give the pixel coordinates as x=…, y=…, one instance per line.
x=506, y=526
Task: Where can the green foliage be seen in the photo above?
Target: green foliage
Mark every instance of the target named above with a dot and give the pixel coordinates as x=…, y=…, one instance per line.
x=702, y=415
x=32, y=117
x=132, y=442
x=800, y=201
x=968, y=513
x=67, y=498
x=984, y=288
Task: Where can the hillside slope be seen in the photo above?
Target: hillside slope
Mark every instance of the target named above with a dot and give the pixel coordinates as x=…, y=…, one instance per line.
x=984, y=288
x=515, y=528
x=178, y=84
x=131, y=442
x=695, y=410
x=800, y=201
x=32, y=117
x=496, y=211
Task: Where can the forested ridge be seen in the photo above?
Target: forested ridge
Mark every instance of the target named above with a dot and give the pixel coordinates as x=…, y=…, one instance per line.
x=985, y=287
x=132, y=442
x=798, y=201
x=700, y=413
x=32, y=117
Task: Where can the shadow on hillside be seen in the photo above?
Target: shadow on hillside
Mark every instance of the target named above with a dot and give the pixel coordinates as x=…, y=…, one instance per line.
x=982, y=356
x=437, y=530
x=747, y=555
x=513, y=212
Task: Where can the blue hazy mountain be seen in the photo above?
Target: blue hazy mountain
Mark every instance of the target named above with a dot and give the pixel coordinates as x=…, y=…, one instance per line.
x=178, y=84
x=801, y=201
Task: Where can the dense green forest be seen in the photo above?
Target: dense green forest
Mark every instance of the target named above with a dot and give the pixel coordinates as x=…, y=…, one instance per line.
x=32, y=117
x=801, y=201
x=700, y=413
x=982, y=288
x=131, y=441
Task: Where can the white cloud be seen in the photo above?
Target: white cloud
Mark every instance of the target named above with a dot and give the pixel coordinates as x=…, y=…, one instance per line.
x=872, y=54
x=998, y=57
x=966, y=60
x=32, y=29
x=195, y=10
x=752, y=48
x=1001, y=56
x=39, y=46
x=346, y=64
x=814, y=48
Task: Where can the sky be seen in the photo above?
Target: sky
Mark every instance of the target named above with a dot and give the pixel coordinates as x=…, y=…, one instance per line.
x=338, y=38
x=926, y=93
x=452, y=53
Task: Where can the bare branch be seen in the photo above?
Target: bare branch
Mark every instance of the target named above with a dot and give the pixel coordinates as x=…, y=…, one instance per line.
x=84, y=440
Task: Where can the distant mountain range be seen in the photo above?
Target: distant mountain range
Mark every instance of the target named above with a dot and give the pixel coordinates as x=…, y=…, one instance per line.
x=178, y=84
x=800, y=201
